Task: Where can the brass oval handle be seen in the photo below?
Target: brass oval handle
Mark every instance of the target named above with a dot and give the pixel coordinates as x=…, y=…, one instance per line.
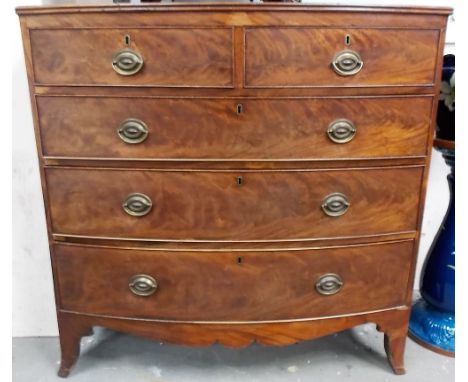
x=142, y=285
x=341, y=131
x=127, y=62
x=329, y=284
x=137, y=204
x=347, y=63
x=132, y=131
x=335, y=204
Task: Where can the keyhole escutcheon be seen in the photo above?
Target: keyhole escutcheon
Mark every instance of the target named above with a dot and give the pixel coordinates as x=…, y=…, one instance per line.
x=347, y=39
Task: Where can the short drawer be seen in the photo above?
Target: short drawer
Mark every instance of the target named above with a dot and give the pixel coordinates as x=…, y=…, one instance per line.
x=232, y=286
x=174, y=57
x=319, y=128
x=234, y=206
x=304, y=57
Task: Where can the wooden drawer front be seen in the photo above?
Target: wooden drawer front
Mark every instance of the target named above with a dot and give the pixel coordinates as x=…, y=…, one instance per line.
x=214, y=286
x=265, y=129
x=301, y=57
x=204, y=205
x=172, y=57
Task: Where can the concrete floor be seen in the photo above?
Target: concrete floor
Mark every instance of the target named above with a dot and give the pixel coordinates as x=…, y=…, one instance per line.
x=353, y=355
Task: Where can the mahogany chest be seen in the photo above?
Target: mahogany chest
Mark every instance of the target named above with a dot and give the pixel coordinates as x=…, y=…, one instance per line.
x=233, y=172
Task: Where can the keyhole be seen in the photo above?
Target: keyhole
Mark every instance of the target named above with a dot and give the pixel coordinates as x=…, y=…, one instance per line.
x=239, y=109
x=239, y=180
x=239, y=260
x=127, y=39
x=347, y=39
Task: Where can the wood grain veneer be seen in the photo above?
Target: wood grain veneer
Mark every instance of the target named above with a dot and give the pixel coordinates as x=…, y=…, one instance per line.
x=300, y=57
x=200, y=62
x=202, y=205
x=217, y=286
x=173, y=57
x=266, y=129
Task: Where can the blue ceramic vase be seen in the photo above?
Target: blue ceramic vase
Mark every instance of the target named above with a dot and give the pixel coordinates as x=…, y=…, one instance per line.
x=432, y=321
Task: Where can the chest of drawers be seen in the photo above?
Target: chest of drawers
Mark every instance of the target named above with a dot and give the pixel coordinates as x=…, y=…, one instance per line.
x=233, y=172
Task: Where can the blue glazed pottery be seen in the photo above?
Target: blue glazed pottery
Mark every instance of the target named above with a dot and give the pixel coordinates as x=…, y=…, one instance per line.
x=432, y=322
x=433, y=317
x=438, y=281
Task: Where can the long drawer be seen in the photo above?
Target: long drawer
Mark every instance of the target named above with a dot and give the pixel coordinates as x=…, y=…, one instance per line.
x=180, y=57
x=232, y=286
x=230, y=205
x=101, y=127
x=303, y=57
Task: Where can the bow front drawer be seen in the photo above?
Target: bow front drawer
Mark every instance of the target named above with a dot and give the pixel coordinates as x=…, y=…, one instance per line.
x=232, y=286
x=304, y=57
x=200, y=57
x=320, y=128
x=233, y=206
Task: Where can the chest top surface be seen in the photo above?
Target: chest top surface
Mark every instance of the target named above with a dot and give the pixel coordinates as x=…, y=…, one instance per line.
x=216, y=5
